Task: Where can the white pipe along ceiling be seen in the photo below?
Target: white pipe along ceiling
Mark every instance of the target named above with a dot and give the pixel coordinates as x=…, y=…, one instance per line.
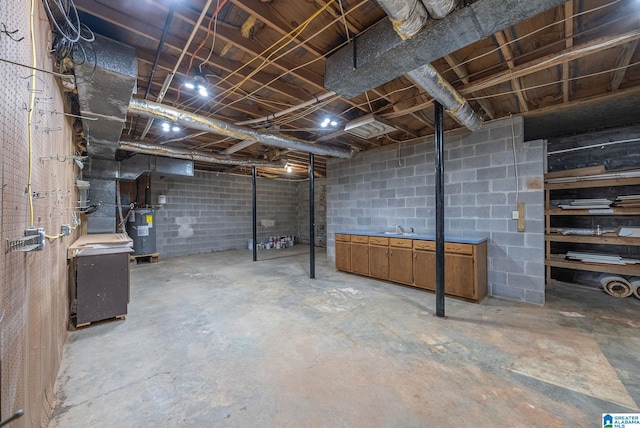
x=408, y=18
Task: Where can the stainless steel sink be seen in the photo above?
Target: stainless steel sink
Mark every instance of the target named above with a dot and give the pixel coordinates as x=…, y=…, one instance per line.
x=400, y=233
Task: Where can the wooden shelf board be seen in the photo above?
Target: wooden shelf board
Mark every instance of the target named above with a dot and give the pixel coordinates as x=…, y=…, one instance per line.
x=581, y=184
x=594, y=267
x=603, y=239
x=615, y=211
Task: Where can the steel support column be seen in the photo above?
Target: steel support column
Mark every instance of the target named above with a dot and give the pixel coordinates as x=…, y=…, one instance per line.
x=255, y=215
x=312, y=221
x=439, y=156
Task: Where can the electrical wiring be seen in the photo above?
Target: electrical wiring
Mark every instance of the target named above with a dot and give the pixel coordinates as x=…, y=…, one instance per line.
x=69, y=31
x=555, y=82
x=206, y=37
x=213, y=38
x=510, y=42
x=32, y=107
x=293, y=34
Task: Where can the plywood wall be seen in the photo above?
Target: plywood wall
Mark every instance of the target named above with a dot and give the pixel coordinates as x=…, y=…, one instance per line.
x=33, y=287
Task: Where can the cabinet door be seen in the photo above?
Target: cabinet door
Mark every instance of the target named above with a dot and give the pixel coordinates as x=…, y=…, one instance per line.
x=459, y=277
x=343, y=256
x=424, y=269
x=401, y=265
x=379, y=261
x=360, y=258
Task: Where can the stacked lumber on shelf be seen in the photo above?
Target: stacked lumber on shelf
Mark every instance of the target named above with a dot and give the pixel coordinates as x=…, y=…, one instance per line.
x=627, y=201
x=600, y=258
x=587, y=204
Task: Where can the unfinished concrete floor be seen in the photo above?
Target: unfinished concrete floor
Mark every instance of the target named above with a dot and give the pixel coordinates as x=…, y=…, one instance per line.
x=217, y=340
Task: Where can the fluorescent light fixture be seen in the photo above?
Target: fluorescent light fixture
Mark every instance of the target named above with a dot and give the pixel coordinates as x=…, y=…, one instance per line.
x=368, y=126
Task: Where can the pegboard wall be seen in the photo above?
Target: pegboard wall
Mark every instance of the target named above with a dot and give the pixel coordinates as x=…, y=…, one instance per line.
x=33, y=288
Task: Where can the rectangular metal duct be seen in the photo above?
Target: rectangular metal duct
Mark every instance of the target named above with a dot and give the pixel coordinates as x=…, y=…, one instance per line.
x=380, y=55
x=105, y=83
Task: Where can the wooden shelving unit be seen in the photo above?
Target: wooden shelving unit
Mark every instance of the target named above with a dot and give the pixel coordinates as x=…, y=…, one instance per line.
x=571, y=183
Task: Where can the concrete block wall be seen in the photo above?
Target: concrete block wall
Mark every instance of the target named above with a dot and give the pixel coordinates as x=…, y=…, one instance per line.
x=320, y=190
x=380, y=189
x=212, y=212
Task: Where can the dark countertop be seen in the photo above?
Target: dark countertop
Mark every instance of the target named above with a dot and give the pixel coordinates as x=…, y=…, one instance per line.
x=462, y=239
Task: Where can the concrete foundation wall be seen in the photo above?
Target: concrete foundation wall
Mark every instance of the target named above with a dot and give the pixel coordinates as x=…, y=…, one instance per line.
x=212, y=212
x=380, y=189
x=320, y=212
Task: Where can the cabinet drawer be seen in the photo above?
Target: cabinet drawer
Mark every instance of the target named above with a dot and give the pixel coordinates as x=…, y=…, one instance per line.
x=402, y=243
x=452, y=247
x=360, y=239
x=424, y=245
x=342, y=237
x=375, y=240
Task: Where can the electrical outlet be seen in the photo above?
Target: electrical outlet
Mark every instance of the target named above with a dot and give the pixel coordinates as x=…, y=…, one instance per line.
x=65, y=230
x=515, y=215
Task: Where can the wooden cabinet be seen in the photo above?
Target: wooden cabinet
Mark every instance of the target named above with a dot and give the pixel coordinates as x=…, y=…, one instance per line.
x=379, y=257
x=360, y=254
x=413, y=262
x=424, y=269
x=343, y=252
x=400, y=261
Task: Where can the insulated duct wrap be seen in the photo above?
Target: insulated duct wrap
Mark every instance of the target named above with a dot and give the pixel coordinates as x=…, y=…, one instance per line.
x=438, y=9
x=407, y=16
x=456, y=105
x=193, y=121
x=195, y=155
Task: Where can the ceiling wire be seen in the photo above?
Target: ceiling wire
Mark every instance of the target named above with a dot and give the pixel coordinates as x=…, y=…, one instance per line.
x=510, y=42
x=555, y=82
x=344, y=19
x=213, y=38
x=265, y=62
x=289, y=71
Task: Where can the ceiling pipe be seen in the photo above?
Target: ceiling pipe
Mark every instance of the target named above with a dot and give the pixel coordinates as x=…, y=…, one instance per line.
x=196, y=155
x=408, y=18
x=456, y=105
x=316, y=99
x=193, y=121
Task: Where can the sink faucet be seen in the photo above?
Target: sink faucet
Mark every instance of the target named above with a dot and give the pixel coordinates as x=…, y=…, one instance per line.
x=401, y=228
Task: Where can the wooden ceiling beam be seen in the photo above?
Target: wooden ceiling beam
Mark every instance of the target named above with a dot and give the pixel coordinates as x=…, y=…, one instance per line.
x=553, y=60
x=568, y=34
x=508, y=57
x=462, y=73
x=621, y=64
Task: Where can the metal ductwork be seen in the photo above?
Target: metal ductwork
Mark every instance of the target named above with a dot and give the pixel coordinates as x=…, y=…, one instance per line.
x=105, y=83
x=196, y=155
x=380, y=55
x=438, y=9
x=456, y=105
x=132, y=168
x=407, y=16
x=412, y=11
x=193, y=121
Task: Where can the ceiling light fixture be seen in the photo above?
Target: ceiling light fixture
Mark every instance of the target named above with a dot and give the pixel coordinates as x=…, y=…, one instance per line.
x=328, y=121
x=189, y=85
x=289, y=169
